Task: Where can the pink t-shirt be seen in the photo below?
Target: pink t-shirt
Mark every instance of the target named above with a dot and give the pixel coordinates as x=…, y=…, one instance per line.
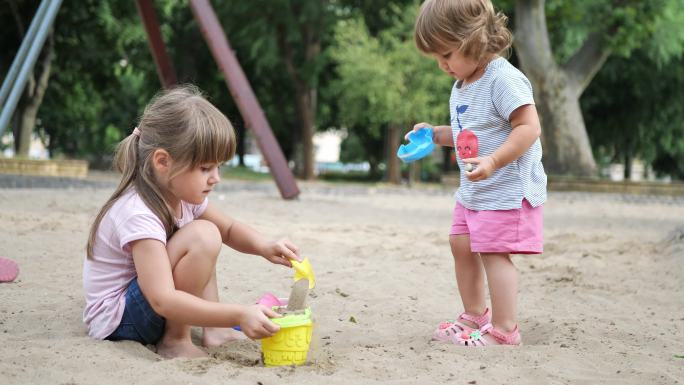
x=107, y=275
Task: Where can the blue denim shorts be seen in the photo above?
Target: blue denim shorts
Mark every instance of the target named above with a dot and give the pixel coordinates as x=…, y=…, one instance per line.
x=139, y=322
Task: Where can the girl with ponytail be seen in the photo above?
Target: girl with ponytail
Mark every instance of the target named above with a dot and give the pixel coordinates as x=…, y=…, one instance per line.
x=150, y=270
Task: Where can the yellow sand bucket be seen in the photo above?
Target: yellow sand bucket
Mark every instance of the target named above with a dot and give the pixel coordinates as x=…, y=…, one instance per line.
x=290, y=345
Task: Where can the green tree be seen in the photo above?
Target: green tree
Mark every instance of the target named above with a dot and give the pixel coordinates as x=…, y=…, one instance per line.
x=644, y=119
x=288, y=38
x=19, y=14
x=103, y=73
x=561, y=62
x=384, y=85
x=103, y=77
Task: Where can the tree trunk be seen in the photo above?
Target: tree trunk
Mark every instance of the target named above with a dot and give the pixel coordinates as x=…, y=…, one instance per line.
x=25, y=119
x=306, y=107
x=240, y=145
x=564, y=137
x=297, y=153
x=305, y=93
x=446, y=159
x=31, y=99
x=414, y=171
x=393, y=166
x=628, y=166
x=557, y=90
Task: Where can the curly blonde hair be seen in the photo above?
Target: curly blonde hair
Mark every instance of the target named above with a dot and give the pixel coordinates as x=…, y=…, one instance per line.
x=473, y=26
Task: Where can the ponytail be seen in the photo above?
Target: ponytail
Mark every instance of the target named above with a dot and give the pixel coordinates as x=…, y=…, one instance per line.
x=125, y=162
x=183, y=123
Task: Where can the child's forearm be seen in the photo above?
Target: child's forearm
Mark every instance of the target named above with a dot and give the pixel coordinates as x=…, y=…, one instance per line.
x=191, y=310
x=442, y=135
x=245, y=239
x=520, y=140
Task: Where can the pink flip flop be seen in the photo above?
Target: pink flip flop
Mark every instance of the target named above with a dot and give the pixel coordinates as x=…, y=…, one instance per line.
x=8, y=270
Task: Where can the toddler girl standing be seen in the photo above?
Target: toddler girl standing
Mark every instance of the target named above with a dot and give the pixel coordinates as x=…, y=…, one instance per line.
x=495, y=129
x=150, y=270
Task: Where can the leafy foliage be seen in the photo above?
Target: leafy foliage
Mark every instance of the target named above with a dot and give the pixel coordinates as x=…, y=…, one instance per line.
x=100, y=82
x=383, y=81
x=646, y=117
x=369, y=75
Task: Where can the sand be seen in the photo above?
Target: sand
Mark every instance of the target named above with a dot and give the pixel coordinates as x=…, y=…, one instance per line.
x=603, y=304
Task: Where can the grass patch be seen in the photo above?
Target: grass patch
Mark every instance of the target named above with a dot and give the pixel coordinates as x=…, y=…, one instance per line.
x=363, y=177
x=244, y=173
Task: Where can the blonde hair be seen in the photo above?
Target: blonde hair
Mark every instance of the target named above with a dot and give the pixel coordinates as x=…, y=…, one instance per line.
x=184, y=124
x=473, y=26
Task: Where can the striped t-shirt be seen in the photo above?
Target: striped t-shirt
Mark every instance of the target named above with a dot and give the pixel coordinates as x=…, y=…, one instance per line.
x=484, y=107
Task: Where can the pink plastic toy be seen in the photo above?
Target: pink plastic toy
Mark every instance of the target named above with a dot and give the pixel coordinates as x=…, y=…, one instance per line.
x=269, y=300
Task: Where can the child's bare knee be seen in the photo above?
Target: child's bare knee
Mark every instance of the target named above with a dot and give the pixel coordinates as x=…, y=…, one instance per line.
x=206, y=236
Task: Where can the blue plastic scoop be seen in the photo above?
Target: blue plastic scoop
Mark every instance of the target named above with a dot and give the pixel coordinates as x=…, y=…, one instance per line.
x=419, y=146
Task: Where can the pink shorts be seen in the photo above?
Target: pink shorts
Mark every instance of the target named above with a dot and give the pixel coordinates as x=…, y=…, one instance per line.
x=516, y=231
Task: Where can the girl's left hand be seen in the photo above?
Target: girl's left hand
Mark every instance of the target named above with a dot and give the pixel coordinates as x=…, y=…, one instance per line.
x=485, y=167
x=281, y=251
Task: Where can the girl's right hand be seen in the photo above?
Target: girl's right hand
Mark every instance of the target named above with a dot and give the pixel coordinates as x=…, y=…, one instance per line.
x=255, y=322
x=417, y=127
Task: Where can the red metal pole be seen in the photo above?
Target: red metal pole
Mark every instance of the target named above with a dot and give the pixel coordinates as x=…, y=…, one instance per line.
x=167, y=76
x=244, y=97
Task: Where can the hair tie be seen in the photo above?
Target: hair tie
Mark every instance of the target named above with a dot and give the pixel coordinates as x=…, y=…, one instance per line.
x=136, y=132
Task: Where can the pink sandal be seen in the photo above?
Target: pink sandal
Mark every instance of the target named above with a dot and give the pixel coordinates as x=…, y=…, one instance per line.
x=474, y=338
x=448, y=331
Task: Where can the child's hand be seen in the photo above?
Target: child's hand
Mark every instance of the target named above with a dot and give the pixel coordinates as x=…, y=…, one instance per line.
x=416, y=128
x=255, y=322
x=281, y=251
x=486, y=165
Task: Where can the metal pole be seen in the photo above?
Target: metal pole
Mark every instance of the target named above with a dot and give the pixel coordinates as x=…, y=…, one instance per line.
x=167, y=76
x=244, y=97
x=23, y=49
x=27, y=66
